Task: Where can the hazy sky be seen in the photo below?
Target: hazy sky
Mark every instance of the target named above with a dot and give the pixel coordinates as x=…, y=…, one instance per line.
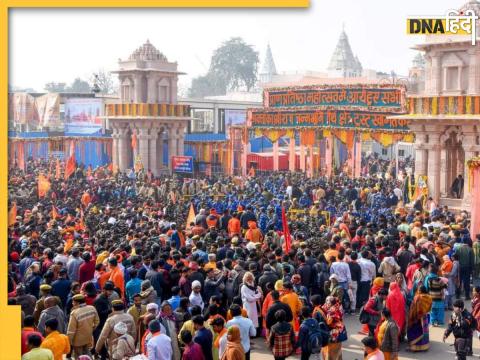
x=61, y=44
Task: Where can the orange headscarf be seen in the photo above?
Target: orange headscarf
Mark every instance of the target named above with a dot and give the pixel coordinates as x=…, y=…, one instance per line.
x=234, y=349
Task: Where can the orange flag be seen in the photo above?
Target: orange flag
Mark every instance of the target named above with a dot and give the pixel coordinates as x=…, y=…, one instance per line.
x=43, y=186
x=55, y=214
x=12, y=215
x=68, y=219
x=85, y=200
x=110, y=167
x=57, y=170
x=191, y=216
x=70, y=166
x=134, y=141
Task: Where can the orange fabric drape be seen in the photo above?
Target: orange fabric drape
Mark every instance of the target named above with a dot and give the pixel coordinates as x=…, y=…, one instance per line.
x=307, y=137
x=134, y=141
x=21, y=155
x=460, y=107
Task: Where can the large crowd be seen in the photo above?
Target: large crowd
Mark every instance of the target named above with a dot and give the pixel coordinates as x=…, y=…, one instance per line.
x=109, y=265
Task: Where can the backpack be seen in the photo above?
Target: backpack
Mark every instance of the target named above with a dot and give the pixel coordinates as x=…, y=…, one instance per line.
x=364, y=317
x=318, y=336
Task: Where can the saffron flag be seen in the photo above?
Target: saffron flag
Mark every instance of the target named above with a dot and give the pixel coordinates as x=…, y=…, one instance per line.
x=286, y=231
x=191, y=216
x=69, y=219
x=57, y=170
x=55, y=214
x=70, y=166
x=12, y=215
x=43, y=186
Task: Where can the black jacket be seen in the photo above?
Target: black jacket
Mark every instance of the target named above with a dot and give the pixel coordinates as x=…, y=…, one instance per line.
x=270, y=319
x=462, y=325
x=267, y=277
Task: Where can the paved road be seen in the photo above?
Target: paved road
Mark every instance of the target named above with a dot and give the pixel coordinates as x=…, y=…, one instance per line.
x=353, y=350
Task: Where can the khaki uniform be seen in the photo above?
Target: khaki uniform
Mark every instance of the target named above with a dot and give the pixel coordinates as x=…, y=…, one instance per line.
x=39, y=307
x=108, y=335
x=83, y=320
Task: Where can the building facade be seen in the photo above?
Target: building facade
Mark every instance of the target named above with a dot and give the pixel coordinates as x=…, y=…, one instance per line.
x=148, y=115
x=445, y=116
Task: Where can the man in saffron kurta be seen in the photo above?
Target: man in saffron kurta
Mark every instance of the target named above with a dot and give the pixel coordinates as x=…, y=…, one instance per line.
x=58, y=343
x=116, y=276
x=293, y=301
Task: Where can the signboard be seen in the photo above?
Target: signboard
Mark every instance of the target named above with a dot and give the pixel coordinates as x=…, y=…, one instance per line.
x=385, y=99
x=182, y=164
x=343, y=119
x=83, y=111
x=234, y=117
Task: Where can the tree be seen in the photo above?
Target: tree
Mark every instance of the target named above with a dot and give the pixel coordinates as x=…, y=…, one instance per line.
x=79, y=86
x=233, y=66
x=235, y=63
x=104, y=81
x=55, y=87
x=206, y=85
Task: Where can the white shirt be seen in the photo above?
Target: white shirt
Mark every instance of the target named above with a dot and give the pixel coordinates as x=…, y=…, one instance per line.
x=289, y=191
x=398, y=193
x=342, y=270
x=222, y=345
x=159, y=348
x=246, y=330
x=196, y=299
x=369, y=271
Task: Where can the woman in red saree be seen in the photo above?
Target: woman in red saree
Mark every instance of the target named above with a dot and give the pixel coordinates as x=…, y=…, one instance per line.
x=396, y=304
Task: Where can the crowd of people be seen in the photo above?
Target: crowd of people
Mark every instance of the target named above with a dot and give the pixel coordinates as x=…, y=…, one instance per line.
x=114, y=266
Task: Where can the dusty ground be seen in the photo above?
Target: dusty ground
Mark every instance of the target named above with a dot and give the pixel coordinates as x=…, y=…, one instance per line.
x=353, y=350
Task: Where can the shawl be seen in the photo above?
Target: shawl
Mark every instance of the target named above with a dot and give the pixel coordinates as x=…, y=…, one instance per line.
x=421, y=306
x=334, y=319
x=446, y=267
x=234, y=350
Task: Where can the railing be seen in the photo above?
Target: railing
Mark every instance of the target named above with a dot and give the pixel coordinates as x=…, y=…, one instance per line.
x=444, y=105
x=142, y=109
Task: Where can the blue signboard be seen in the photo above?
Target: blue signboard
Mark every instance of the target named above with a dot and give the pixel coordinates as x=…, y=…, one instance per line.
x=182, y=164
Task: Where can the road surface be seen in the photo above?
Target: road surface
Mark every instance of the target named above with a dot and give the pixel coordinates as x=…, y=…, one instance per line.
x=353, y=349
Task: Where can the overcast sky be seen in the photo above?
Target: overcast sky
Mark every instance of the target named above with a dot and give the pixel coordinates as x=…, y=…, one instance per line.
x=61, y=44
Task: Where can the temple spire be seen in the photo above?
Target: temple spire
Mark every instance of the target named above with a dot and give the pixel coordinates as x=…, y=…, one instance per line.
x=268, y=67
x=343, y=62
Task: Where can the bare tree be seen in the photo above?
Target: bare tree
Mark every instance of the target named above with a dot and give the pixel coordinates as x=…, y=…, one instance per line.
x=103, y=81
